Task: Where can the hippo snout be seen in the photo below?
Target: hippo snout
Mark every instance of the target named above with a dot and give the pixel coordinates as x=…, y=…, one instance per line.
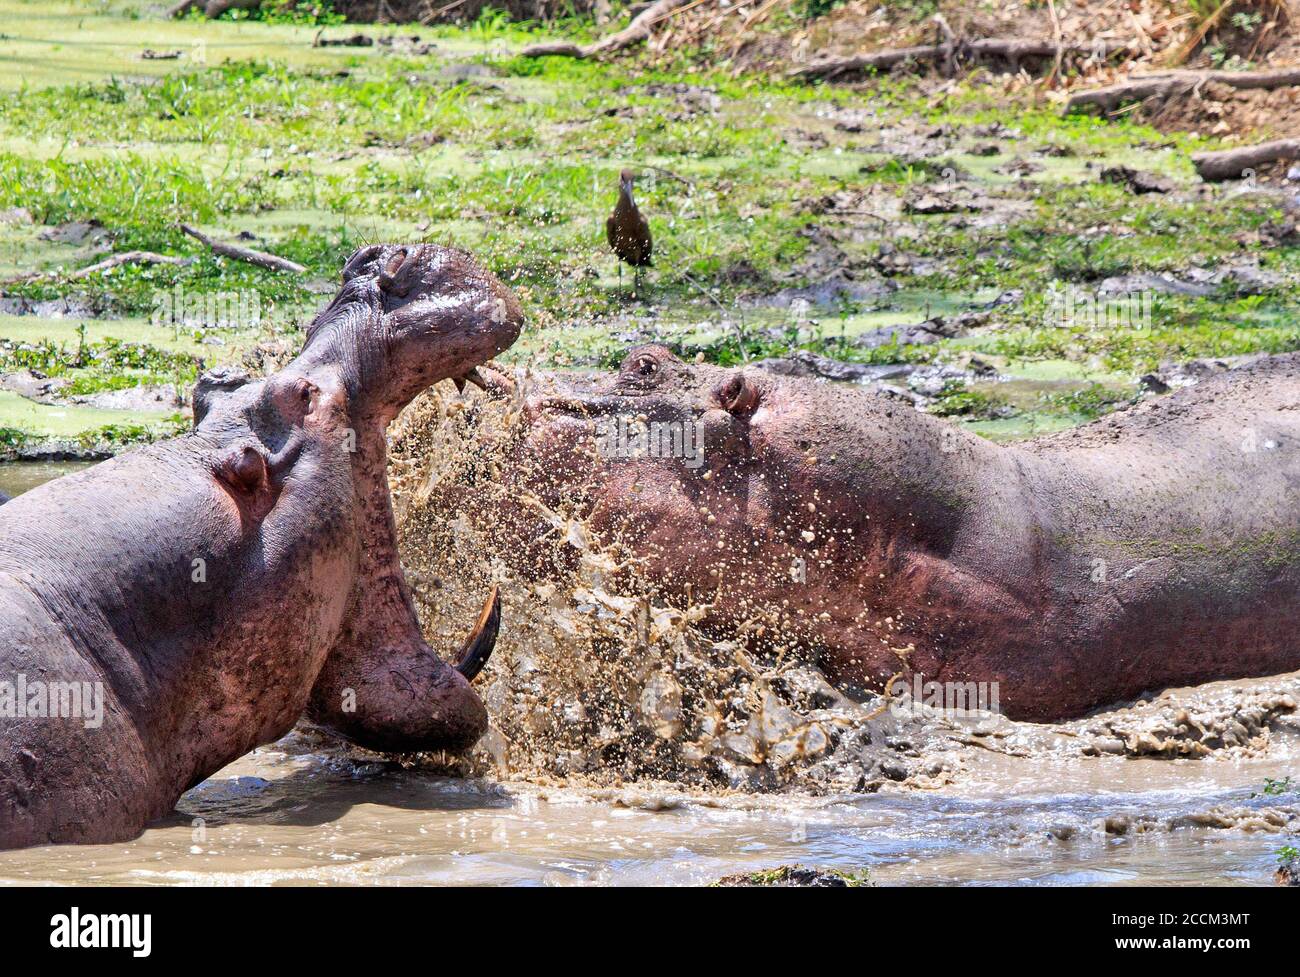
x=410, y=315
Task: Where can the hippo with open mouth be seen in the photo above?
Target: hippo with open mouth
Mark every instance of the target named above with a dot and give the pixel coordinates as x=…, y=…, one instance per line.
x=163, y=613
x=1154, y=547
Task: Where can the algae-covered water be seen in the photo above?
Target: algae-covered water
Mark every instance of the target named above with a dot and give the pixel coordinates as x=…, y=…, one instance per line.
x=17, y=477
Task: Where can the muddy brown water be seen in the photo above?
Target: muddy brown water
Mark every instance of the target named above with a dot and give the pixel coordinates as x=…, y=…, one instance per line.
x=1022, y=806
x=17, y=477
x=288, y=816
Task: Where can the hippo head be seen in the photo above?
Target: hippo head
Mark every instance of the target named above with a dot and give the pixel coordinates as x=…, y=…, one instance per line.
x=407, y=316
x=670, y=456
x=776, y=507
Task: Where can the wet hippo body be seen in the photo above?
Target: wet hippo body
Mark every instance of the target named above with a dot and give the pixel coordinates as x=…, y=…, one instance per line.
x=1157, y=546
x=190, y=593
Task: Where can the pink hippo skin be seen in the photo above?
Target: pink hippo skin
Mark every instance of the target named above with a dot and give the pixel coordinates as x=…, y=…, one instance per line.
x=205, y=584
x=1157, y=546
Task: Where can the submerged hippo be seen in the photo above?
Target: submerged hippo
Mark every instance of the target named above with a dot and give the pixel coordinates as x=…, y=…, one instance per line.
x=163, y=613
x=1157, y=546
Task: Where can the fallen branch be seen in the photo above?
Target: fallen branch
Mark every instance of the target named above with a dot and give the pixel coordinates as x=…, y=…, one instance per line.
x=212, y=9
x=634, y=33
x=1240, y=164
x=128, y=258
x=112, y=261
x=670, y=174
x=429, y=18
x=259, y=258
x=984, y=49
x=1140, y=88
x=355, y=40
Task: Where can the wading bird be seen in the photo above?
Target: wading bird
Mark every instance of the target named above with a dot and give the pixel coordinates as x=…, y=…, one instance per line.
x=628, y=231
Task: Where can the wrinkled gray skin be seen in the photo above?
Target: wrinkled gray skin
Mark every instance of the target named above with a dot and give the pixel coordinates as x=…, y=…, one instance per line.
x=206, y=582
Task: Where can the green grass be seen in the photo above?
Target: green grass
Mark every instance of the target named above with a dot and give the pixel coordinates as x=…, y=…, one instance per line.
x=72, y=422
x=314, y=151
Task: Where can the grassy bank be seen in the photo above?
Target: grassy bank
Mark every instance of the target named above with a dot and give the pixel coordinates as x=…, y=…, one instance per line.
x=786, y=217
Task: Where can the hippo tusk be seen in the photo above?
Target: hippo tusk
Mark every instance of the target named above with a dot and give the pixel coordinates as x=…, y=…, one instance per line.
x=478, y=646
x=474, y=377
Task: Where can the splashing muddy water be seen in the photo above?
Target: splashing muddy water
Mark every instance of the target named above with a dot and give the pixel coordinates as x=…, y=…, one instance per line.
x=627, y=746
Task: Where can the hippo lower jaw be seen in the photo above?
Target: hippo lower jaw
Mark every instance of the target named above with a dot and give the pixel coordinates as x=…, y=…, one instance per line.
x=407, y=700
x=424, y=710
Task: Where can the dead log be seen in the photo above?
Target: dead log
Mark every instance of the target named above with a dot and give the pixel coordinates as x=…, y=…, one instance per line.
x=952, y=51
x=560, y=49
x=212, y=8
x=215, y=8
x=1241, y=164
x=128, y=258
x=112, y=261
x=355, y=40
x=634, y=33
x=259, y=258
x=1111, y=97
x=1167, y=84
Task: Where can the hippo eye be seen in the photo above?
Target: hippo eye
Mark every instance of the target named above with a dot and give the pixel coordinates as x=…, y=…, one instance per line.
x=644, y=368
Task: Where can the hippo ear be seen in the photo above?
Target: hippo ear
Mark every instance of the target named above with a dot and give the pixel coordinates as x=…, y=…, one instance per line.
x=737, y=394
x=360, y=261
x=391, y=279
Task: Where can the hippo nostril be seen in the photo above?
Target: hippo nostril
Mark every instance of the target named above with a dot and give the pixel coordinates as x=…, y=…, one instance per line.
x=737, y=394
x=248, y=470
